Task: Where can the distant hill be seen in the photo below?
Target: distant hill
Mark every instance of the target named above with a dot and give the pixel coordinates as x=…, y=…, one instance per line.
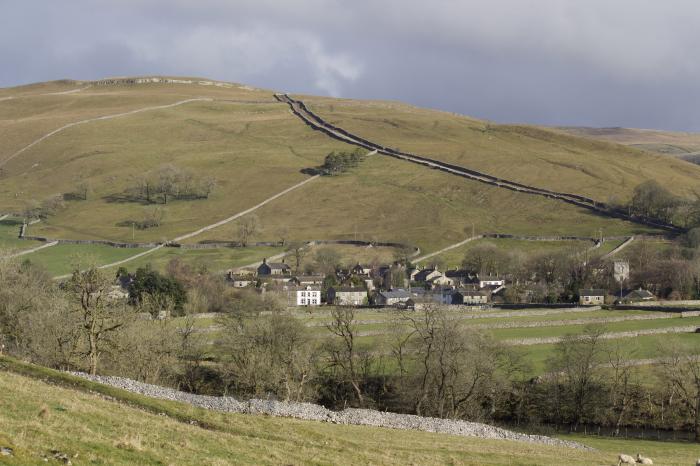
x=685, y=146
x=57, y=137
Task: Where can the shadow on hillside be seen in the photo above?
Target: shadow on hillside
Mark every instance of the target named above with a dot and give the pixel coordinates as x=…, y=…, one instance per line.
x=10, y=222
x=126, y=198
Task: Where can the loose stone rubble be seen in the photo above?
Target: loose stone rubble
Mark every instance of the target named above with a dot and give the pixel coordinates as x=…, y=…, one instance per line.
x=313, y=412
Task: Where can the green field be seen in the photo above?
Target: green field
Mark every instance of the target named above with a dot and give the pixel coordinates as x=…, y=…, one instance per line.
x=92, y=423
x=214, y=260
x=62, y=259
x=9, y=236
x=454, y=257
x=384, y=325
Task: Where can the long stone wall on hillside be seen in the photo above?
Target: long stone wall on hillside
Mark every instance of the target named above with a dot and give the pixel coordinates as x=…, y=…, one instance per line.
x=316, y=122
x=312, y=412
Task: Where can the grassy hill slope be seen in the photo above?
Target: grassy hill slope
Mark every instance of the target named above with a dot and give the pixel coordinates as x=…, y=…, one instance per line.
x=527, y=154
x=255, y=148
x=44, y=410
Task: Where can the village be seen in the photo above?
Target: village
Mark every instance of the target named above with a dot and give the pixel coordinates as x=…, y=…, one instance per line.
x=407, y=286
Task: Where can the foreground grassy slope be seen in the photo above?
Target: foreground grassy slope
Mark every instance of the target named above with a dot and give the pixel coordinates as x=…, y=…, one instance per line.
x=528, y=154
x=110, y=426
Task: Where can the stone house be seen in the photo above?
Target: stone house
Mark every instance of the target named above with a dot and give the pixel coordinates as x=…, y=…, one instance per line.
x=391, y=298
x=303, y=280
x=273, y=268
x=362, y=270
x=346, y=296
x=241, y=281
x=469, y=297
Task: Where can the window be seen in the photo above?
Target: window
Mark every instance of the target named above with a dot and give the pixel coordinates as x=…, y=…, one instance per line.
x=303, y=301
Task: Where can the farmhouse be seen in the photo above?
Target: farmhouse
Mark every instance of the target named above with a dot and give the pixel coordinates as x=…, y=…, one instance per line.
x=303, y=280
x=346, y=296
x=272, y=268
x=591, y=297
x=390, y=298
x=491, y=281
x=241, y=281
x=637, y=296
x=461, y=277
x=469, y=297
x=308, y=296
x=361, y=269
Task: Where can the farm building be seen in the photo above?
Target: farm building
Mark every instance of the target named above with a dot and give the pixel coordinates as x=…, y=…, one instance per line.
x=591, y=297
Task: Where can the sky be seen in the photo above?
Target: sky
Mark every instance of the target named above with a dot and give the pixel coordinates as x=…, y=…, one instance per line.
x=632, y=63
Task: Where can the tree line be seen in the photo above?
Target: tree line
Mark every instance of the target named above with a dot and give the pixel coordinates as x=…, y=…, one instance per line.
x=429, y=364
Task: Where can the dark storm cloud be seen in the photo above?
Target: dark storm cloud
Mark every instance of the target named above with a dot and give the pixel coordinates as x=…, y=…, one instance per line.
x=570, y=62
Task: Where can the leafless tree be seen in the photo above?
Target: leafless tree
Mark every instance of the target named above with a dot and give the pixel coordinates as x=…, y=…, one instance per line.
x=682, y=371
x=577, y=360
x=99, y=318
x=298, y=250
x=343, y=355
x=622, y=382
x=247, y=227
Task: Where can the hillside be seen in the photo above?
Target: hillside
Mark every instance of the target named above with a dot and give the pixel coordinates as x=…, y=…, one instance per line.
x=60, y=135
x=46, y=411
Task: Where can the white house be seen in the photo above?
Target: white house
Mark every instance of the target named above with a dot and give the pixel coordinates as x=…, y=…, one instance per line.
x=489, y=280
x=308, y=296
x=591, y=297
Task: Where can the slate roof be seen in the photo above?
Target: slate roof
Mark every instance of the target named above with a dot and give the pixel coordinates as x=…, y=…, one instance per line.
x=395, y=294
x=592, y=292
x=639, y=295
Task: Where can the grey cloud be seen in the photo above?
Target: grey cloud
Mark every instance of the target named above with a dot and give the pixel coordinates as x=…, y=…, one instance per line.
x=598, y=62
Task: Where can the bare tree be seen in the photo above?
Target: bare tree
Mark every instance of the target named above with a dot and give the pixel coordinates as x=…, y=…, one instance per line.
x=682, y=371
x=343, y=355
x=268, y=353
x=168, y=177
x=454, y=368
x=99, y=318
x=327, y=260
x=622, y=382
x=577, y=360
x=247, y=227
x=83, y=189
x=208, y=184
x=152, y=217
x=298, y=250
x=283, y=233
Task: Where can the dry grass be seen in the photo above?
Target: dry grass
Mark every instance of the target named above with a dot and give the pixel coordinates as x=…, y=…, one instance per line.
x=528, y=154
x=258, y=149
